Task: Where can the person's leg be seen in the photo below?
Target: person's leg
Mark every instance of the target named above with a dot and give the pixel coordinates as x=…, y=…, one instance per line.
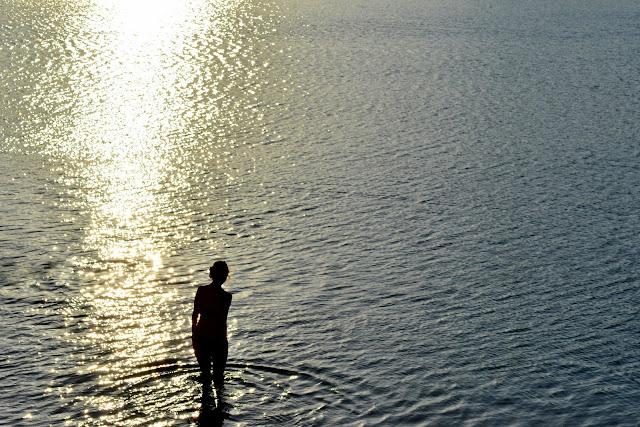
x=219, y=363
x=203, y=355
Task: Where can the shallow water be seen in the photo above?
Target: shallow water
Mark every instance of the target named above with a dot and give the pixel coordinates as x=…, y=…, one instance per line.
x=429, y=209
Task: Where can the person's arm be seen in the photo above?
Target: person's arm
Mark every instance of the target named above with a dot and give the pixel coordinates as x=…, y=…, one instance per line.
x=196, y=311
x=227, y=305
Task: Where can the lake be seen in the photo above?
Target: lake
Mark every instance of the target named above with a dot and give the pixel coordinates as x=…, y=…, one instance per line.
x=430, y=210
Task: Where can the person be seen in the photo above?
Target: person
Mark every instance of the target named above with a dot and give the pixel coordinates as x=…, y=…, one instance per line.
x=209, y=325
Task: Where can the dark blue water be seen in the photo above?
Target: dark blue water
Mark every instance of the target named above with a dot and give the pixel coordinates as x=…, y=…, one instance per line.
x=430, y=211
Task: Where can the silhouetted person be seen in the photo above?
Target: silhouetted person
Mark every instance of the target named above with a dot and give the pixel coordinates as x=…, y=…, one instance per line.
x=209, y=324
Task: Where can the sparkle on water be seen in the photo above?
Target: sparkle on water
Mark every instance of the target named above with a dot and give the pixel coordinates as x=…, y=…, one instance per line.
x=126, y=102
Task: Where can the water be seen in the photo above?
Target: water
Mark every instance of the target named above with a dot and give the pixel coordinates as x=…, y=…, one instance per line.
x=430, y=210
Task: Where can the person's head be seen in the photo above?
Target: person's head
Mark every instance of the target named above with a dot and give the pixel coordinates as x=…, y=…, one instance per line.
x=219, y=272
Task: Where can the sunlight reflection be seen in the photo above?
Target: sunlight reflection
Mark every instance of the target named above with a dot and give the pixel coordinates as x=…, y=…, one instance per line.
x=146, y=16
x=133, y=84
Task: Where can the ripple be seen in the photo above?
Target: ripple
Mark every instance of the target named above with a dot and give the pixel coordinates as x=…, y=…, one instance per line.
x=171, y=389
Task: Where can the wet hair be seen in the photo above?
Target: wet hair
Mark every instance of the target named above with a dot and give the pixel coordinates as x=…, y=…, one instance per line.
x=219, y=271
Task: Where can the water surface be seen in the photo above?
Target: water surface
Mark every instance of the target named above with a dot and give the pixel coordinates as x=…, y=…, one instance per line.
x=429, y=209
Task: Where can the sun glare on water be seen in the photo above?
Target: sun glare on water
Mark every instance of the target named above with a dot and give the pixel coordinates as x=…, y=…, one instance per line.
x=146, y=17
x=131, y=84
x=135, y=99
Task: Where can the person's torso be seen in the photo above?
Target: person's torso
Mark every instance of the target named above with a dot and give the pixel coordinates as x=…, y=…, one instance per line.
x=214, y=307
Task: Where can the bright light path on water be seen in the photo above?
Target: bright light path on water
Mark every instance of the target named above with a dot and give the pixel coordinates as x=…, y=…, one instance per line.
x=130, y=84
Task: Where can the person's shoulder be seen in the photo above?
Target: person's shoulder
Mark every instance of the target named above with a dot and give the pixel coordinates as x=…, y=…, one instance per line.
x=227, y=295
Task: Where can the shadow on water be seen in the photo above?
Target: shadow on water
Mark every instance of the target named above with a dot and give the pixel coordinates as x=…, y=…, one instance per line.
x=214, y=409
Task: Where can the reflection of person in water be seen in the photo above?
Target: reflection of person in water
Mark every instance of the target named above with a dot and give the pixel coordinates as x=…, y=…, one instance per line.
x=209, y=332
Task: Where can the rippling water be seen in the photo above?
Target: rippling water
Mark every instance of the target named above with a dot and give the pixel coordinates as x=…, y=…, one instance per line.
x=430, y=210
